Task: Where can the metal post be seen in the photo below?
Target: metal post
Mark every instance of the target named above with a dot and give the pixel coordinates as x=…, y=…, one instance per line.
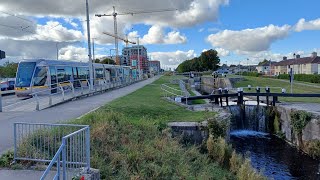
x=88, y=148
x=64, y=159
x=267, y=97
x=274, y=99
x=258, y=91
x=89, y=45
x=0, y=100
x=220, y=98
x=37, y=100
x=50, y=100
x=227, y=100
x=240, y=96
x=15, y=141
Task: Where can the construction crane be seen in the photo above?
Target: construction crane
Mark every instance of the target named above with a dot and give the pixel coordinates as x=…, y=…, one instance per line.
x=115, y=14
x=118, y=37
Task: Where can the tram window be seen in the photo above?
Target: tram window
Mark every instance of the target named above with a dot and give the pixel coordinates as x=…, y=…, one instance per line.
x=61, y=74
x=53, y=74
x=68, y=74
x=24, y=74
x=99, y=73
x=40, y=76
x=75, y=73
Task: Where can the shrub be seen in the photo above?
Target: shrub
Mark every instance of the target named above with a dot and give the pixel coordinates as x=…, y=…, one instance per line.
x=313, y=148
x=6, y=159
x=236, y=161
x=218, y=128
x=313, y=78
x=299, y=119
x=219, y=150
x=246, y=172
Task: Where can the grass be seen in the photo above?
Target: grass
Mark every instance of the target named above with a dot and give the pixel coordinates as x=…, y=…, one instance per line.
x=129, y=139
x=197, y=101
x=297, y=88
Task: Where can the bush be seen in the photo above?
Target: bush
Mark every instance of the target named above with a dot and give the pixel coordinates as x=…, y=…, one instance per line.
x=312, y=78
x=219, y=150
x=254, y=74
x=313, y=148
x=6, y=159
x=247, y=172
x=218, y=128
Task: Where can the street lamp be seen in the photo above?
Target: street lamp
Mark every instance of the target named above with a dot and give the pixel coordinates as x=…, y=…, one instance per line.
x=57, y=50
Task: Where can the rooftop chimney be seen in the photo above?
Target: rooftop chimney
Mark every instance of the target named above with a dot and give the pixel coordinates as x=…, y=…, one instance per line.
x=285, y=58
x=297, y=56
x=314, y=54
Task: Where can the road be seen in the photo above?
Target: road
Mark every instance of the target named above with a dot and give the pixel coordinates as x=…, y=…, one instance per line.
x=60, y=113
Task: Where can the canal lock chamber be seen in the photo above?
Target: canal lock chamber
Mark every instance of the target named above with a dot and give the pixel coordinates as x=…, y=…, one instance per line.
x=252, y=130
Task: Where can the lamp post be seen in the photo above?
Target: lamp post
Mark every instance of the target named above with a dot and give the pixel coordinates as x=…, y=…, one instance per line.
x=89, y=46
x=248, y=64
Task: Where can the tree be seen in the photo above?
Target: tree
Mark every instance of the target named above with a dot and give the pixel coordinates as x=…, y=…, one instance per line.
x=97, y=61
x=263, y=62
x=8, y=70
x=208, y=60
x=107, y=61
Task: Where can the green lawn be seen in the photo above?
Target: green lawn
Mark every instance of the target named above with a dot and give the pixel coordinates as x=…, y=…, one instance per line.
x=129, y=139
x=263, y=82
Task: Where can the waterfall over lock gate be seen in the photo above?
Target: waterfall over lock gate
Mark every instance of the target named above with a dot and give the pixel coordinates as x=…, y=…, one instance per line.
x=249, y=117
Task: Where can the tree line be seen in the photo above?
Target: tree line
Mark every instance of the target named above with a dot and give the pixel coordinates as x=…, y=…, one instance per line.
x=8, y=70
x=208, y=60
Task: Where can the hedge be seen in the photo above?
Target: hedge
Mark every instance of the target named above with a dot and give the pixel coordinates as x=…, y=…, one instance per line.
x=313, y=78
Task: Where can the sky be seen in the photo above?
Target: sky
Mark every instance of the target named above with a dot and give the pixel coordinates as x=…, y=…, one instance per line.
x=242, y=31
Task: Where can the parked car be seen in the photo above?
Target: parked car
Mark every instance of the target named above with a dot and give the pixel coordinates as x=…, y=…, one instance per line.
x=7, y=85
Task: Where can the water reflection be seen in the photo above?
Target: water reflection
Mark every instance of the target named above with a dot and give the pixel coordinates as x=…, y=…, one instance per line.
x=275, y=157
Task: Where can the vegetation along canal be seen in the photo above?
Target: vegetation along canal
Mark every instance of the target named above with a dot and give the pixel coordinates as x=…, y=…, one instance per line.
x=268, y=153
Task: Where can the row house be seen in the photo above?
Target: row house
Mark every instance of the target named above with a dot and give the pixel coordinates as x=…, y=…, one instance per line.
x=299, y=65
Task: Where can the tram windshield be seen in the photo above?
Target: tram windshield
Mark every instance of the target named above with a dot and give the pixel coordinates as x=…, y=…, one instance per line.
x=24, y=74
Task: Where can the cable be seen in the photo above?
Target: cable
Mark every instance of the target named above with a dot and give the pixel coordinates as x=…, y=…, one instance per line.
x=16, y=16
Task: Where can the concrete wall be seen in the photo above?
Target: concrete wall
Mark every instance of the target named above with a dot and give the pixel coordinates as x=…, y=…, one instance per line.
x=218, y=83
x=310, y=132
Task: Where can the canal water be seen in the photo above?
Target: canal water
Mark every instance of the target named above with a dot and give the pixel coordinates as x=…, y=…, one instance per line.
x=277, y=160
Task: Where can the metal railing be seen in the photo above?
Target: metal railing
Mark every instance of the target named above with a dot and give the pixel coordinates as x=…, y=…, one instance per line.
x=170, y=91
x=65, y=147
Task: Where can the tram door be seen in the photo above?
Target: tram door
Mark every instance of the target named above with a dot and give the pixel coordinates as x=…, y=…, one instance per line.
x=53, y=76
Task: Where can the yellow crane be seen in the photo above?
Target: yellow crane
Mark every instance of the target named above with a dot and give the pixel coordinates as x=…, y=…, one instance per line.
x=115, y=14
x=118, y=37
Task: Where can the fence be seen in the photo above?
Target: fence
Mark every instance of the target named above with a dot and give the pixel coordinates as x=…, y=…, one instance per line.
x=65, y=147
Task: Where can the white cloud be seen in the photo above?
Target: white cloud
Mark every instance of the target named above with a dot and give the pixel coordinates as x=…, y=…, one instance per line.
x=189, y=13
x=249, y=40
x=54, y=31
x=156, y=35
x=174, y=58
x=222, y=52
x=75, y=53
x=201, y=30
x=309, y=25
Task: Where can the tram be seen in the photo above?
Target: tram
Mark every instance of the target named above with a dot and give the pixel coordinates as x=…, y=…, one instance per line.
x=40, y=75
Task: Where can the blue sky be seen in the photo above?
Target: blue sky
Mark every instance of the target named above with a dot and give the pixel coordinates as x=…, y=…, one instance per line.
x=238, y=29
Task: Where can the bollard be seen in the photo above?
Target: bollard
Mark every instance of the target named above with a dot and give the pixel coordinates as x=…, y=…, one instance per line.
x=267, y=96
x=50, y=100
x=240, y=96
x=258, y=91
x=283, y=90
x=220, y=98
x=249, y=87
x=226, y=90
x=37, y=105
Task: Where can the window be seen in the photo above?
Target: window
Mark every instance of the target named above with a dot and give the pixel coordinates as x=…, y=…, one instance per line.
x=24, y=74
x=53, y=75
x=61, y=74
x=40, y=76
x=99, y=73
x=69, y=74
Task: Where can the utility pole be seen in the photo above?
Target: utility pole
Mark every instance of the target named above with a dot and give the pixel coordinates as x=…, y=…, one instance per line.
x=57, y=50
x=139, y=57
x=89, y=47
x=93, y=58
x=248, y=65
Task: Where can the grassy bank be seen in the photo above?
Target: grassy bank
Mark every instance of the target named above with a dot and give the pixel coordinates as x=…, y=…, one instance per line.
x=129, y=140
x=297, y=88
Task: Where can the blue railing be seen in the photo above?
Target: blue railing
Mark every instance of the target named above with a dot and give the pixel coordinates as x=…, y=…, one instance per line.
x=65, y=146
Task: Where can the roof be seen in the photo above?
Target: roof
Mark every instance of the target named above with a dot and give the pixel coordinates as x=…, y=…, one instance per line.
x=267, y=63
x=304, y=60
